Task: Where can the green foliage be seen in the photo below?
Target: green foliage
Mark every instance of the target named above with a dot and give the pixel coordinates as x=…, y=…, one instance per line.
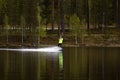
x=41, y=31
x=77, y=27
x=29, y=8
x=75, y=24
x=6, y=24
x=38, y=16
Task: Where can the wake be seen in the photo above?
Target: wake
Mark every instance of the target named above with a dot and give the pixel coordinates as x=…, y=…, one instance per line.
x=45, y=49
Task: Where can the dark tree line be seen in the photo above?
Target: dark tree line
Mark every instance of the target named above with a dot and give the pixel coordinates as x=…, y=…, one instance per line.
x=95, y=13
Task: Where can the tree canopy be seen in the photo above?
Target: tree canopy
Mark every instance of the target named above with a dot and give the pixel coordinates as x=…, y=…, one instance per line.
x=98, y=12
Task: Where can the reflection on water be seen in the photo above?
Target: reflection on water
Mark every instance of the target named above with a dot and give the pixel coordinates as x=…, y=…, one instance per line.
x=30, y=66
x=92, y=64
x=81, y=63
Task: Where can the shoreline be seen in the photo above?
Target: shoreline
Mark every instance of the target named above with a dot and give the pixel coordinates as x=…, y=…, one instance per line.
x=28, y=45
x=69, y=41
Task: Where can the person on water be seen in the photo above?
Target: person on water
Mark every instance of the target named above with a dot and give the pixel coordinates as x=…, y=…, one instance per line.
x=60, y=41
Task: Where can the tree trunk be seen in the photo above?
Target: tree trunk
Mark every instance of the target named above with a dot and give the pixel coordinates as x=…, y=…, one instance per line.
x=46, y=26
x=62, y=15
x=76, y=40
x=52, y=15
x=117, y=13
x=58, y=17
x=88, y=17
x=38, y=41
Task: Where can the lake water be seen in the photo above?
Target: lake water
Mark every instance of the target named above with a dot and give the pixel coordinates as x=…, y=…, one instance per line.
x=72, y=63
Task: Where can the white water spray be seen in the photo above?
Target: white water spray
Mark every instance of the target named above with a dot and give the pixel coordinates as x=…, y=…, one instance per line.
x=45, y=49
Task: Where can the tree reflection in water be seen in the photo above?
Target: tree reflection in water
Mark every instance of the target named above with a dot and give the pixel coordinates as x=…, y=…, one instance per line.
x=70, y=64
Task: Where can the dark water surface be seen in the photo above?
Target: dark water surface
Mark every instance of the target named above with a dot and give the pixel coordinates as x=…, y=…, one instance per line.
x=83, y=63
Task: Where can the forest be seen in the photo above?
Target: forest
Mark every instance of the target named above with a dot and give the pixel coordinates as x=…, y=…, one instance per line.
x=79, y=15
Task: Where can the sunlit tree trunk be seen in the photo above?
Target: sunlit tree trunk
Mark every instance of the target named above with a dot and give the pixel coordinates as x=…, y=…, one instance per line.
x=22, y=24
x=38, y=23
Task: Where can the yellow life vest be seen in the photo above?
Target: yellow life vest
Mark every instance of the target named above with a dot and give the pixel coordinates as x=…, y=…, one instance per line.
x=60, y=40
